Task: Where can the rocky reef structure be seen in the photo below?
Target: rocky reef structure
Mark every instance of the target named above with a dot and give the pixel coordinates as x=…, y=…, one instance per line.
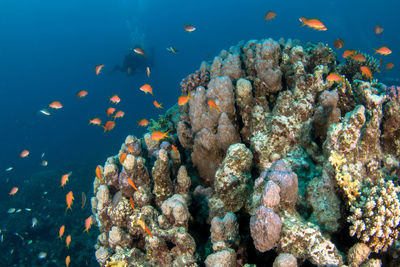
x=266, y=158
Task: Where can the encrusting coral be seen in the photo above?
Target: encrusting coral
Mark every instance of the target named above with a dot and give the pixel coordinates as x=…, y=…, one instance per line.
x=268, y=158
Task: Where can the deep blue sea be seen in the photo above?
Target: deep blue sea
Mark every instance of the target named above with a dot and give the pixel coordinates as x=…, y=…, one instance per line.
x=48, y=52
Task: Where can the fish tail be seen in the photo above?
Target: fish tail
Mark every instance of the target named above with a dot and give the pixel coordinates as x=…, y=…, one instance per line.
x=104, y=128
x=148, y=231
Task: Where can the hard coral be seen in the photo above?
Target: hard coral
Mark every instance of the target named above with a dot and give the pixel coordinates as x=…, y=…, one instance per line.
x=376, y=217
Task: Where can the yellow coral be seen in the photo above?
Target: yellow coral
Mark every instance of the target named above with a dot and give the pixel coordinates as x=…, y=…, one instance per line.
x=336, y=159
x=116, y=264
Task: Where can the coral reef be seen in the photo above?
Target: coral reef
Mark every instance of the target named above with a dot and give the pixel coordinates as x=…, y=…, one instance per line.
x=269, y=158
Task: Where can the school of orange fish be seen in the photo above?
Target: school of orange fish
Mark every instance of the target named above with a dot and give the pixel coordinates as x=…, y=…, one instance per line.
x=313, y=23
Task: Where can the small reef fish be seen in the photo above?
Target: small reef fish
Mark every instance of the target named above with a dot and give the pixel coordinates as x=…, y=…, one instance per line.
x=143, y=225
x=378, y=30
x=44, y=163
x=88, y=224
x=338, y=43
x=158, y=135
x=2, y=238
x=13, y=191
x=69, y=199
x=334, y=77
x=67, y=261
x=122, y=157
x=115, y=99
x=172, y=50
x=11, y=210
x=130, y=149
x=349, y=53
x=146, y=88
x=156, y=104
x=110, y=111
x=20, y=236
x=82, y=94
x=56, y=105
x=29, y=242
x=143, y=123
x=270, y=15
x=313, y=23
x=189, y=28
x=24, y=153
x=383, y=51
x=212, y=105
x=99, y=174
x=119, y=114
x=182, y=100
x=68, y=241
x=42, y=156
x=18, y=211
x=34, y=222
x=139, y=51
x=366, y=71
x=389, y=66
x=148, y=72
x=95, y=121
x=42, y=255
x=131, y=183
x=9, y=169
x=61, y=231
x=83, y=197
x=175, y=149
x=45, y=112
x=64, y=179
x=98, y=69
x=109, y=126
x=132, y=203
x=359, y=58
x=27, y=209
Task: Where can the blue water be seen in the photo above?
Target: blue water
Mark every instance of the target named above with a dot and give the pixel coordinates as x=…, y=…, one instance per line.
x=48, y=51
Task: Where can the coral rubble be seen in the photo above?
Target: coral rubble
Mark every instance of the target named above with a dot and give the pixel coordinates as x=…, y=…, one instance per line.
x=271, y=159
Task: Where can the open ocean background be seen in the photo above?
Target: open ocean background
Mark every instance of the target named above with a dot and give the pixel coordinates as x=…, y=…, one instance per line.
x=48, y=51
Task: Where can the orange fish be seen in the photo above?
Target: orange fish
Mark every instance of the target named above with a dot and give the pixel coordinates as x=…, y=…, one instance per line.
x=98, y=68
x=119, y=114
x=175, y=149
x=131, y=183
x=378, y=30
x=69, y=198
x=139, y=51
x=334, y=77
x=212, y=105
x=130, y=149
x=67, y=260
x=82, y=94
x=110, y=111
x=349, y=53
x=65, y=178
x=146, y=88
x=313, y=23
x=182, y=100
x=128, y=70
x=13, y=191
x=88, y=224
x=68, y=241
x=366, y=71
x=338, y=43
x=270, y=15
x=122, y=157
x=143, y=123
x=383, y=51
x=389, y=66
x=61, y=231
x=189, y=28
x=143, y=225
x=24, y=153
x=95, y=121
x=359, y=58
x=132, y=203
x=109, y=126
x=115, y=99
x=157, y=135
x=156, y=104
x=148, y=72
x=55, y=105
x=99, y=174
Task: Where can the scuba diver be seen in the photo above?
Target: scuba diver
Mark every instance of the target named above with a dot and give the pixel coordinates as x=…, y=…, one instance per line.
x=134, y=63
